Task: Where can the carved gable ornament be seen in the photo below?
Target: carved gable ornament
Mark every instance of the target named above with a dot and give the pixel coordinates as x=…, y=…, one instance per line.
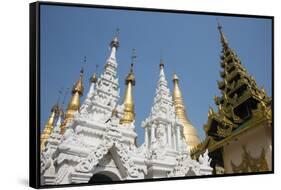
x=250, y=164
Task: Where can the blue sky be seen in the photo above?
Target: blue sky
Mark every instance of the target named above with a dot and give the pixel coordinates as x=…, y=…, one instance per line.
x=189, y=45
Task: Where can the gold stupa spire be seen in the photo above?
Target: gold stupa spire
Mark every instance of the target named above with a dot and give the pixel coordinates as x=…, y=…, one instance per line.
x=129, y=110
x=74, y=103
x=190, y=133
x=49, y=126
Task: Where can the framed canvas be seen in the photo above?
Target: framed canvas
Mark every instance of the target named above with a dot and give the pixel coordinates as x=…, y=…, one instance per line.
x=121, y=94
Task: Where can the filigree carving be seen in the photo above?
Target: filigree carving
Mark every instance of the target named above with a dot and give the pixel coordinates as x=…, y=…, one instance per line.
x=224, y=132
x=184, y=165
x=251, y=164
x=127, y=161
x=87, y=164
x=46, y=161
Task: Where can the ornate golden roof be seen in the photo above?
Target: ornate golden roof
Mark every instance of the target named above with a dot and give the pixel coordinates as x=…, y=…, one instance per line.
x=241, y=102
x=190, y=132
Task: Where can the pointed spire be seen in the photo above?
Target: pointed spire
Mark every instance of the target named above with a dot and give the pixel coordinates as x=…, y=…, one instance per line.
x=189, y=131
x=239, y=92
x=162, y=96
x=222, y=36
x=99, y=90
x=131, y=77
x=177, y=96
x=87, y=101
x=49, y=126
x=74, y=103
x=78, y=87
x=115, y=40
x=114, y=45
x=93, y=81
x=162, y=74
x=129, y=110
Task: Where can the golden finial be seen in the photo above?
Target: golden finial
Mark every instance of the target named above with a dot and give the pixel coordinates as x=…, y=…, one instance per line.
x=49, y=126
x=78, y=87
x=190, y=132
x=94, y=78
x=129, y=113
x=130, y=77
x=74, y=103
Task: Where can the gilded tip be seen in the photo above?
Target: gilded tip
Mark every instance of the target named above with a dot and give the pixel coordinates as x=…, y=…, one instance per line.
x=130, y=79
x=78, y=86
x=94, y=78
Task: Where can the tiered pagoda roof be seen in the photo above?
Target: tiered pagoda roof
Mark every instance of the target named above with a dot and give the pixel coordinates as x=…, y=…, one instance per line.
x=241, y=100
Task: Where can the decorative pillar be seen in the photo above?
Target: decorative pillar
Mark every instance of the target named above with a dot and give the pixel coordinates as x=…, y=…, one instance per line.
x=174, y=138
x=165, y=134
x=152, y=133
x=146, y=136
x=169, y=135
x=178, y=137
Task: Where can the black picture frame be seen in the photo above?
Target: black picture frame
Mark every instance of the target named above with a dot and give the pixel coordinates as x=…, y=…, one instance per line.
x=34, y=90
